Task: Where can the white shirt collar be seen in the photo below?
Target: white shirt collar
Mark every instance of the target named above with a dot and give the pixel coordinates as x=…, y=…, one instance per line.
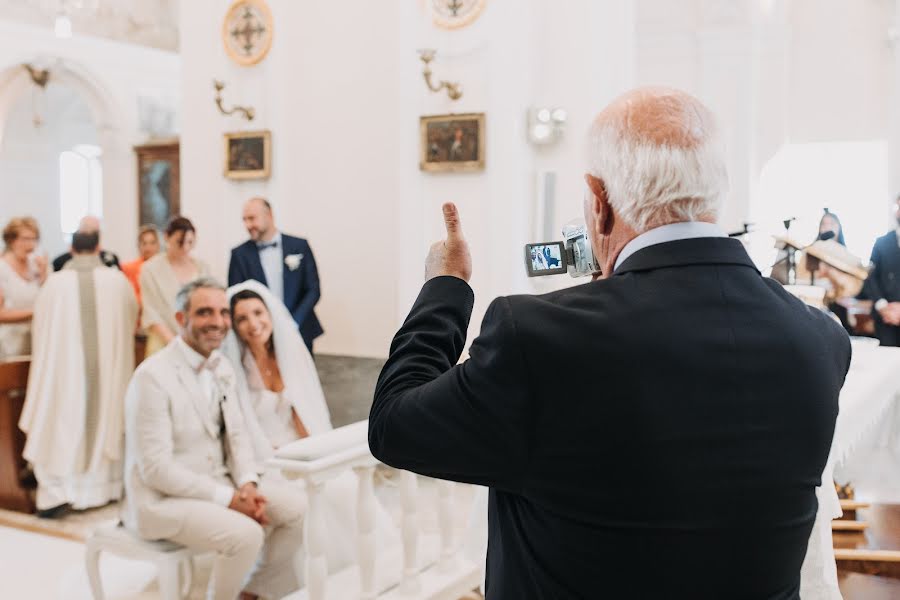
x=194, y=359
x=669, y=233
x=276, y=239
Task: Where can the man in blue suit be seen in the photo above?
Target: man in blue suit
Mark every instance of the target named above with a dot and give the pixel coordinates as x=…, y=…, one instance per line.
x=281, y=262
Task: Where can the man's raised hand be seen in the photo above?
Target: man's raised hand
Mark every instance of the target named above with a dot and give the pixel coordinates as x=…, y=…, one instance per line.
x=450, y=256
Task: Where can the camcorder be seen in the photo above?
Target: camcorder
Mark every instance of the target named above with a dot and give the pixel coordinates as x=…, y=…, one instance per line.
x=573, y=255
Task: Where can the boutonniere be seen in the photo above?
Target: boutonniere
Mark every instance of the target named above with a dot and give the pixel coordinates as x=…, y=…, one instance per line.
x=293, y=261
x=224, y=381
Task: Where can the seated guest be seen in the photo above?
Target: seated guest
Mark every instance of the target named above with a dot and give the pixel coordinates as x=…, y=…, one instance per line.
x=161, y=278
x=883, y=284
x=88, y=224
x=190, y=474
x=148, y=247
x=676, y=429
x=83, y=356
x=21, y=274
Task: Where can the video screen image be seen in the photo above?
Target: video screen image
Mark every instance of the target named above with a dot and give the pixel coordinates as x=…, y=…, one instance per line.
x=546, y=257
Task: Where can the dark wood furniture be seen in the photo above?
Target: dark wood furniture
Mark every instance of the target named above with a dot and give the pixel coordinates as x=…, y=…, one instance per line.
x=159, y=187
x=14, y=495
x=874, y=550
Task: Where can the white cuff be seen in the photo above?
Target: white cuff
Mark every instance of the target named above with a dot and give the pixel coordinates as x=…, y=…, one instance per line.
x=881, y=304
x=223, y=495
x=251, y=478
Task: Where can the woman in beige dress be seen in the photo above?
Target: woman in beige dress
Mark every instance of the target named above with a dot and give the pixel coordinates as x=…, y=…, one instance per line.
x=161, y=278
x=22, y=272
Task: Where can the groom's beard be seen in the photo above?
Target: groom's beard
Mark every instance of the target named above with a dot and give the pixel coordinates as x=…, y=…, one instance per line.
x=210, y=338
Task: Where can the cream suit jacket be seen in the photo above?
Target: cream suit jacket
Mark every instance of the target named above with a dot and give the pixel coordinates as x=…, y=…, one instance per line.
x=172, y=444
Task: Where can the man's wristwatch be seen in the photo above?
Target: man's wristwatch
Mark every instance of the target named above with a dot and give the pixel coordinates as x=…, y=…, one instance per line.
x=881, y=303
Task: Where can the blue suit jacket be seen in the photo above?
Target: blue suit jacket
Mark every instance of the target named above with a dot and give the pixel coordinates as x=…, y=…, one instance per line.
x=301, y=287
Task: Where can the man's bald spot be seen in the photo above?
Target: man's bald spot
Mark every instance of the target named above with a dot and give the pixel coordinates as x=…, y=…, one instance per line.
x=658, y=116
x=261, y=202
x=89, y=224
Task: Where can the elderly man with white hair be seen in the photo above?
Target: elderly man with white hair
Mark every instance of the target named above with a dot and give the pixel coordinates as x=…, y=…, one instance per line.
x=675, y=449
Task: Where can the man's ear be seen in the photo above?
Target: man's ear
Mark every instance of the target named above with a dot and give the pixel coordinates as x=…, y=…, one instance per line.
x=599, y=205
x=180, y=318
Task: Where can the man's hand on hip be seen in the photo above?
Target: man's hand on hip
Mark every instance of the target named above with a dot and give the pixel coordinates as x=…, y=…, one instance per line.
x=450, y=256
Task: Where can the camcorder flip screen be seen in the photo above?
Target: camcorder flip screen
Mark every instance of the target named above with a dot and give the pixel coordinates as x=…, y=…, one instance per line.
x=545, y=258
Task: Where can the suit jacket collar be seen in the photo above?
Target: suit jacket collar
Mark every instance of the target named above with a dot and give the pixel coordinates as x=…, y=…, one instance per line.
x=696, y=251
x=185, y=360
x=251, y=253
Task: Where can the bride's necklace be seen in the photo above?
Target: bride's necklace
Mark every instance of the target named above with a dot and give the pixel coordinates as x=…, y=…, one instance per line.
x=266, y=367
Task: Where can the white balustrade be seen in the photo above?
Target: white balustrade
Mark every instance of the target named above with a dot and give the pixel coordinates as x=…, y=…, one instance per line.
x=365, y=518
x=445, y=523
x=315, y=539
x=427, y=566
x=409, y=488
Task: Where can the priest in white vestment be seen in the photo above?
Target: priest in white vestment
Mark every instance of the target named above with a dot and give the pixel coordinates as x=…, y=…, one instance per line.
x=82, y=359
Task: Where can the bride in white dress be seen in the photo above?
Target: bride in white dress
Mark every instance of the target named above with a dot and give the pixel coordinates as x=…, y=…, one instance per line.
x=282, y=401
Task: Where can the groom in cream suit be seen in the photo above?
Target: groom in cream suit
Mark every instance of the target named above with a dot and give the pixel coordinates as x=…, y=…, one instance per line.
x=189, y=471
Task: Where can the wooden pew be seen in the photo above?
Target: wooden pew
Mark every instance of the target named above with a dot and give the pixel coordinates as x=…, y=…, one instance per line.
x=13, y=494
x=874, y=551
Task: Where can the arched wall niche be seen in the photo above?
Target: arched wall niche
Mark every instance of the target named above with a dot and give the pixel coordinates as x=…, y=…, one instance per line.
x=109, y=122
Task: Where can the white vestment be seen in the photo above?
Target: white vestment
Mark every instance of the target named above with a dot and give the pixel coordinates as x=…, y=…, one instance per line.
x=82, y=359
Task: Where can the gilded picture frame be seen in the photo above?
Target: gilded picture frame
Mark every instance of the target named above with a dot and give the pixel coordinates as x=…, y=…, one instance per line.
x=452, y=143
x=248, y=154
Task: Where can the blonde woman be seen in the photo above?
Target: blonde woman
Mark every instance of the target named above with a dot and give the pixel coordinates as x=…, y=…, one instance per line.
x=161, y=278
x=22, y=272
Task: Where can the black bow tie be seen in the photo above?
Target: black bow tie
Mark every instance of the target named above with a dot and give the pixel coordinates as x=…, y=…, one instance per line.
x=264, y=245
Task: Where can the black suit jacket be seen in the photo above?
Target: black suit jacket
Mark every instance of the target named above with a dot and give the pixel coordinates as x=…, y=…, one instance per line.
x=884, y=278
x=884, y=282
x=301, y=287
x=658, y=434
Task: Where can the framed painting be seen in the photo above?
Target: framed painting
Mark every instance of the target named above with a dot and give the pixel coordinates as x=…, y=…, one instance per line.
x=451, y=142
x=248, y=155
x=159, y=185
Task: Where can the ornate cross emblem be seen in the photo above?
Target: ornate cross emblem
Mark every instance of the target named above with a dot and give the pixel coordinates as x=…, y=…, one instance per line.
x=250, y=31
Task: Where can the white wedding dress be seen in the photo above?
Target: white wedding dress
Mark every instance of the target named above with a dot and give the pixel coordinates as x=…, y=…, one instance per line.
x=269, y=422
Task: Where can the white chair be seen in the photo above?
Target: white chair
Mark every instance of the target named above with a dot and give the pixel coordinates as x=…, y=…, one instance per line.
x=173, y=562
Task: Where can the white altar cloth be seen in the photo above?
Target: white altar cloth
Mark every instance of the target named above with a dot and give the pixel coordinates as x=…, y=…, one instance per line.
x=869, y=394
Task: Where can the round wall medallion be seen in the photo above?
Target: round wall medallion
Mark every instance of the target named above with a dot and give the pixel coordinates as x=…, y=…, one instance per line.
x=453, y=14
x=247, y=31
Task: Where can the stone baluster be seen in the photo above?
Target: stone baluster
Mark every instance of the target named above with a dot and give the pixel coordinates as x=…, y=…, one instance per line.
x=316, y=539
x=409, y=487
x=365, y=517
x=445, y=523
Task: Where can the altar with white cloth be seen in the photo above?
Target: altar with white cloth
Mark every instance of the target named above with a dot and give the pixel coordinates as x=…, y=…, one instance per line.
x=868, y=397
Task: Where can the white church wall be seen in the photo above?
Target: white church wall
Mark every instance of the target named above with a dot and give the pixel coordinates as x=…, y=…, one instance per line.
x=29, y=157
x=840, y=73
x=342, y=92
x=110, y=77
x=774, y=71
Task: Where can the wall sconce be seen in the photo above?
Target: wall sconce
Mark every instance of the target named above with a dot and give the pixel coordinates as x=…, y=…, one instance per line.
x=40, y=78
x=546, y=125
x=453, y=89
x=246, y=111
